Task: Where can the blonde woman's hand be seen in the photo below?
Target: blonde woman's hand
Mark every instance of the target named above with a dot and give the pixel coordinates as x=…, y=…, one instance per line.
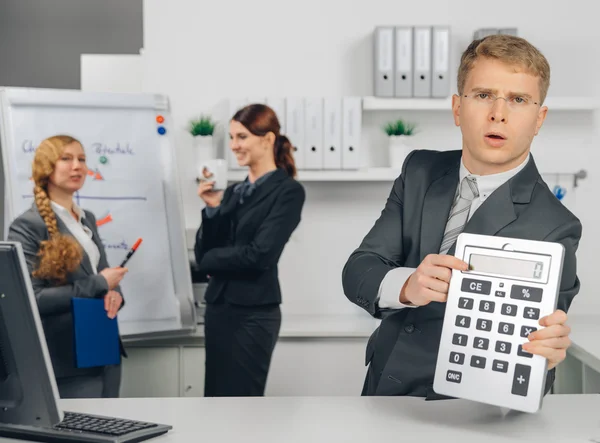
x=112, y=303
x=113, y=276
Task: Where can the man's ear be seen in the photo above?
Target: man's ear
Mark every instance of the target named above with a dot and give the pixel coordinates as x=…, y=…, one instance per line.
x=540, y=118
x=456, y=109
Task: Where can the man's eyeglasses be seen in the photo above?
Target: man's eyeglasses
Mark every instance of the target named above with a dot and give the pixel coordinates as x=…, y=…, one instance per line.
x=515, y=103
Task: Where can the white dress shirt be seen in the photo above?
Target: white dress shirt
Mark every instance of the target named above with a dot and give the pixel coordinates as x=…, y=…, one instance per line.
x=392, y=283
x=82, y=233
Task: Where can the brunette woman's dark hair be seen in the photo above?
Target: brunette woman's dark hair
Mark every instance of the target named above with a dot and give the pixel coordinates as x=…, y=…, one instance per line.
x=260, y=119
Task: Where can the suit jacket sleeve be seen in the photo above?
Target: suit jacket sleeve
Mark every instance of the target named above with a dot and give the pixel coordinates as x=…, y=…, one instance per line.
x=51, y=300
x=272, y=235
x=380, y=251
x=214, y=230
x=568, y=234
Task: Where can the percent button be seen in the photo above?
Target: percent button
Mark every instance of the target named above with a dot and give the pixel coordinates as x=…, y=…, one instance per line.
x=526, y=293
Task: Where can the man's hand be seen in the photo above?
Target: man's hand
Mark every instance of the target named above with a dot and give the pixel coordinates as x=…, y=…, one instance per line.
x=430, y=281
x=112, y=303
x=552, y=341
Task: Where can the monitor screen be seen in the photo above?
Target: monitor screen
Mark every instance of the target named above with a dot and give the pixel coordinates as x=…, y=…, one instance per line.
x=28, y=392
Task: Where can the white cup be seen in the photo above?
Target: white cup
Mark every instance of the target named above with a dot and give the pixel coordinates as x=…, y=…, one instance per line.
x=214, y=170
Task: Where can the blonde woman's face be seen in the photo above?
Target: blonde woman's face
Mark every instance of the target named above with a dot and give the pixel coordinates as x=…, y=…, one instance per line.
x=70, y=170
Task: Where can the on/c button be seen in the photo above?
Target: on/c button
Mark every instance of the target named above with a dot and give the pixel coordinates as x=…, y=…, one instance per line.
x=476, y=286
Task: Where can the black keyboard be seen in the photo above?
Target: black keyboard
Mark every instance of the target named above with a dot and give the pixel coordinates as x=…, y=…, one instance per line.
x=87, y=428
x=100, y=425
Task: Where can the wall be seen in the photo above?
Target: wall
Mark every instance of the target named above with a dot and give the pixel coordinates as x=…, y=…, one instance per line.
x=41, y=41
x=200, y=56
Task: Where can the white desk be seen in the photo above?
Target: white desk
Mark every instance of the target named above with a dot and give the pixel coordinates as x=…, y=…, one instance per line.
x=564, y=418
x=580, y=372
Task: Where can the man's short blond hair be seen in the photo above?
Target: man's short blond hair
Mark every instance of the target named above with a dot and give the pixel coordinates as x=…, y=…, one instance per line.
x=512, y=50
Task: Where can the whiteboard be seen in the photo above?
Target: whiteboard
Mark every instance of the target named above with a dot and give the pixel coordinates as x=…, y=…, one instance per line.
x=132, y=188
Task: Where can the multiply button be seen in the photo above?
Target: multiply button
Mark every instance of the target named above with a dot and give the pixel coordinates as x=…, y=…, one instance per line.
x=526, y=293
x=520, y=382
x=526, y=330
x=531, y=313
x=476, y=286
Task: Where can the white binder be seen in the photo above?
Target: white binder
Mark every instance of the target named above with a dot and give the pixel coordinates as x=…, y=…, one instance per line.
x=277, y=104
x=235, y=104
x=294, y=120
x=403, y=83
x=422, y=65
x=440, y=80
x=332, y=133
x=383, y=61
x=351, y=132
x=313, y=142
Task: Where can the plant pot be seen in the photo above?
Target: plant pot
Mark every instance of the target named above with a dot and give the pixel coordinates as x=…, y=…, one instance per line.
x=399, y=148
x=204, y=149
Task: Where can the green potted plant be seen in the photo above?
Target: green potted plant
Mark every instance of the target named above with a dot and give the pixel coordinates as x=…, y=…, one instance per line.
x=399, y=131
x=202, y=129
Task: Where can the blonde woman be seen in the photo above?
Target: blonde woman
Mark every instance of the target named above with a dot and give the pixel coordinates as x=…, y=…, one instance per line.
x=66, y=259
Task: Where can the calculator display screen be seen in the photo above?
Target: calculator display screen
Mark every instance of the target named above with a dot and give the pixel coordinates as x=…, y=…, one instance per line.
x=510, y=267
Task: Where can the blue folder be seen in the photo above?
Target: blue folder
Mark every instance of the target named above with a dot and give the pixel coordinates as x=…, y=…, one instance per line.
x=96, y=336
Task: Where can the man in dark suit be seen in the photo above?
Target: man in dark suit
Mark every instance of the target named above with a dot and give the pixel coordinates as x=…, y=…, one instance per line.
x=401, y=270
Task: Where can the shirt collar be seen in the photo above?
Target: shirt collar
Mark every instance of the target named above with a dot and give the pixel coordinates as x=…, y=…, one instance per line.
x=65, y=212
x=486, y=184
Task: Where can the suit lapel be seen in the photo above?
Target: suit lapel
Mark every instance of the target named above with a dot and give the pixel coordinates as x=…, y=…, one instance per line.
x=436, y=207
x=85, y=262
x=498, y=211
x=261, y=192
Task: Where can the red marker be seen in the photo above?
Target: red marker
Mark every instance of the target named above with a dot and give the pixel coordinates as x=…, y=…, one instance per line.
x=131, y=251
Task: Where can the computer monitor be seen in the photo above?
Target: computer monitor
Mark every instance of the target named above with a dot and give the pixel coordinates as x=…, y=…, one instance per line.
x=29, y=396
x=28, y=391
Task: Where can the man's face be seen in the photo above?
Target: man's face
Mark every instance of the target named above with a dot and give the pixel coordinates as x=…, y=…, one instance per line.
x=498, y=114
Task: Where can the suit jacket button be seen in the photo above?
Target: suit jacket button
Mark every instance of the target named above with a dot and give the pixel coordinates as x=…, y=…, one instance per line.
x=409, y=329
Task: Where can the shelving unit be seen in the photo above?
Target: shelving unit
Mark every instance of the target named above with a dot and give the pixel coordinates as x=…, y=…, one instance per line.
x=364, y=175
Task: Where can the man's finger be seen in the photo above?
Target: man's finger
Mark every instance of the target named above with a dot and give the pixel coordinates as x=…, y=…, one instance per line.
x=449, y=261
x=550, y=332
x=435, y=296
x=439, y=272
x=554, y=343
x=556, y=318
x=551, y=354
x=435, y=285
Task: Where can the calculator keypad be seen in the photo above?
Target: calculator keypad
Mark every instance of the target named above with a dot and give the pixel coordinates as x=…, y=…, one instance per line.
x=481, y=299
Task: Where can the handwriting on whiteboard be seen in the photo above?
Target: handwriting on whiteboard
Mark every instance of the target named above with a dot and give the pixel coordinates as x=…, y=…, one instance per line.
x=121, y=245
x=27, y=147
x=118, y=149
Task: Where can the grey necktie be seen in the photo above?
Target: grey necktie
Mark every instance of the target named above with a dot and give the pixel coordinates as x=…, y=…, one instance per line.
x=459, y=213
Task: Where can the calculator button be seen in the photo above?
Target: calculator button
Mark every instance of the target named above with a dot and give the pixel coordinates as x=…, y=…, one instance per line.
x=501, y=284
x=462, y=321
x=506, y=328
x=521, y=380
x=523, y=353
x=478, y=362
x=484, y=325
x=459, y=339
x=500, y=294
x=509, y=310
x=481, y=343
x=526, y=330
x=500, y=366
x=531, y=313
x=503, y=347
x=476, y=286
x=453, y=376
x=486, y=306
x=457, y=357
x=465, y=303
x=526, y=293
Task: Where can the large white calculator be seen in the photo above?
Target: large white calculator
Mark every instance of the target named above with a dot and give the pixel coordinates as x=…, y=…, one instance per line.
x=491, y=308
